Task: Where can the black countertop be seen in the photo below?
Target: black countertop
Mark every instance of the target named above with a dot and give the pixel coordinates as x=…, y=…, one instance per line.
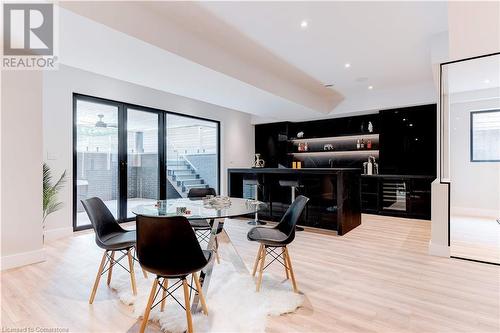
x=400, y=176
x=291, y=171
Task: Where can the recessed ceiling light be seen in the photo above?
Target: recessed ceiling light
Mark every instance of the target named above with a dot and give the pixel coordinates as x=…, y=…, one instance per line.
x=370, y=87
x=486, y=81
x=303, y=24
x=347, y=65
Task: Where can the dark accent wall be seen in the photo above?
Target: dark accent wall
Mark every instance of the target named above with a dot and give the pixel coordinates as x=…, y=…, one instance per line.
x=408, y=140
x=271, y=143
x=402, y=148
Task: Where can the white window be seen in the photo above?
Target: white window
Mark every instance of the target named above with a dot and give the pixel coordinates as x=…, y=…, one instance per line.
x=485, y=136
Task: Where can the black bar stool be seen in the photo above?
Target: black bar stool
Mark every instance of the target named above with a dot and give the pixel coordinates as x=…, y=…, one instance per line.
x=256, y=184
x=294, y=184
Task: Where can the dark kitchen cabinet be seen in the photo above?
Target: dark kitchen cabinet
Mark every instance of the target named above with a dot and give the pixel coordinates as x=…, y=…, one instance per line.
x=397, y=195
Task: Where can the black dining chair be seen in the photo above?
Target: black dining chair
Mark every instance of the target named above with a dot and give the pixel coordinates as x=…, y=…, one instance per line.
x=278, y=237
x=203, y=227
x=111, y=237
x=168, y=248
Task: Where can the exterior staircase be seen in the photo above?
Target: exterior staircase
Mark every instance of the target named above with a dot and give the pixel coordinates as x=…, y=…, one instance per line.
x=183, y=176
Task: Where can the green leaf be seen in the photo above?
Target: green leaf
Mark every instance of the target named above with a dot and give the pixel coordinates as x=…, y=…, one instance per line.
x=50, y=191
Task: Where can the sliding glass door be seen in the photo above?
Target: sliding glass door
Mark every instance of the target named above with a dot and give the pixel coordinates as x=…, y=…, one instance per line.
x=129, y=155
x=143, y=158
x=96, y=156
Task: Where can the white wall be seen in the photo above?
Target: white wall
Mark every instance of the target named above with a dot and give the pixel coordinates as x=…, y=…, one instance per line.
x=237, y=133
x=21, y=168
x=473, y=29
x=475, y=186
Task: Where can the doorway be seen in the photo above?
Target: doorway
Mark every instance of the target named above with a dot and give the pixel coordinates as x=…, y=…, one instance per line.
x=471, y=104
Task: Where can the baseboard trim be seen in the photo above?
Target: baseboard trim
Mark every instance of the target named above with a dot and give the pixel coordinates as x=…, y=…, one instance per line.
x=57, y=233
x=467, y=211
x=439, y=250
x=22, y=259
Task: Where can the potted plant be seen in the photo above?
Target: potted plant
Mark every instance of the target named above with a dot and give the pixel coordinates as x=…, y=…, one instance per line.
x=50, y=191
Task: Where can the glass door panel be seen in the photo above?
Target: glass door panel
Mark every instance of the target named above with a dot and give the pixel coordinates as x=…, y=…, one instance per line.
x=142, y=159
x=192, y=154
x=96, y=126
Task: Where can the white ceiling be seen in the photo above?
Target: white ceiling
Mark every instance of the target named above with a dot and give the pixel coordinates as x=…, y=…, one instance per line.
x=254, y=57
x=472, y=75
x=388, y=44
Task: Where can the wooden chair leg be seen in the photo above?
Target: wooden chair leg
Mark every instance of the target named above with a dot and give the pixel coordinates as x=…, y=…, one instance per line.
x=200, y=292
x=257, y=259
x=110, y=271
x=132, y=273
x=286, y=264
x=145, y=318
x=294, y=283
x=261, y=270
x=165, y=286
x=98, y=277
x=187, y=302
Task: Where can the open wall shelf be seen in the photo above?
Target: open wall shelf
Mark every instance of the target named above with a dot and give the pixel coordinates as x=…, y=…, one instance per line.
x=344, y=152
x=371, y=136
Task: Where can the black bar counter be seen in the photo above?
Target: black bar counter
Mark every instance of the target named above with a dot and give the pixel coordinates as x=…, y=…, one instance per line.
x=334, y=194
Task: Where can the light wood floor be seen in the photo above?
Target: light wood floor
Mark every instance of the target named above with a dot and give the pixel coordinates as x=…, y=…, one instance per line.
x=475, y=238
x=377, y=278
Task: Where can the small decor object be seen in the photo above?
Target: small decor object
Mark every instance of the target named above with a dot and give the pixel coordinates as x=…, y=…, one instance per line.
x=306, y=147
x=217, y=202
x=370, y=167
x=370, y=127
x=328, y=146
x=258, y=163
x=162, y=207
x=300, y=135
x=294, y=165
x=50, y=191
x=180, y=210
x=299, y=165
x=358, y=144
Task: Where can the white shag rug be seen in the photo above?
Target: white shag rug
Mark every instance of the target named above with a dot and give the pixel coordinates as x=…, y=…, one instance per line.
x=233, y=304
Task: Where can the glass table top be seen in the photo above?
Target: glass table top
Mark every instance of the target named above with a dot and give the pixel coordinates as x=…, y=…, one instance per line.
x=198, y=208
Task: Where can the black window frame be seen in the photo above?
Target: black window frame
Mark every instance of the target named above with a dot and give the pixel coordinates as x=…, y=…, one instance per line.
x=122, y=170
x=472, y=113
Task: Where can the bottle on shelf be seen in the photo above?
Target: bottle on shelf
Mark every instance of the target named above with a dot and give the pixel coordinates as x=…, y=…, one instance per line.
x=362, y=146
x=306, y=147
x=369, y=144
x=358, y=145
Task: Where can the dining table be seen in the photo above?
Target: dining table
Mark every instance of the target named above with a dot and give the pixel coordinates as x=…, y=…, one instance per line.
x=210, y=208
